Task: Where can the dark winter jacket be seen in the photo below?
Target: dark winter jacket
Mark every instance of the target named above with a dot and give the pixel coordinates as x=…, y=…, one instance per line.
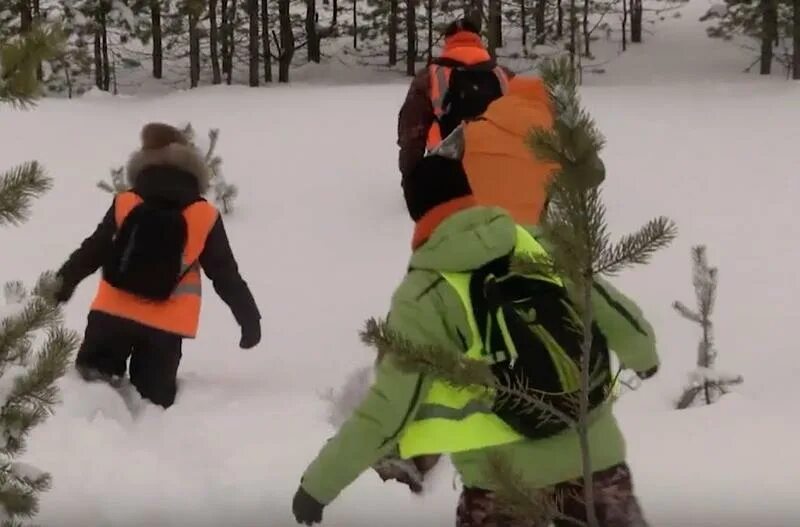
x=169, y=174
x=416, y=118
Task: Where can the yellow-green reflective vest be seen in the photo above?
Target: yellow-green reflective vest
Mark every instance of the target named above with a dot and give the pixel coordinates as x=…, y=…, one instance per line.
x=450, y=419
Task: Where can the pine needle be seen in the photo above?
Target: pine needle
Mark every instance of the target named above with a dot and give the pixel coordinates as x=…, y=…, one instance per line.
x=18, y=188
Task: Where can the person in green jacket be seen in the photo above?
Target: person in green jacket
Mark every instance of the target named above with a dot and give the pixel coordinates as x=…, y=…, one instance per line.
x=453, y=234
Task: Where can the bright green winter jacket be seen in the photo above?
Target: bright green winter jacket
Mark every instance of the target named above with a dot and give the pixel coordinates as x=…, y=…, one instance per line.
x=426, y=310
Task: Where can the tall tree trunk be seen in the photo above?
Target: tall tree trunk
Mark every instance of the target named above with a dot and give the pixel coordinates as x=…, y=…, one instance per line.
x=287, y=40
x=98, y=58
x=335, y=13
x=25, y=16
x=494, y=26
x=573, y=32
x=231, y=41
x=500, y=24
x=540, y=21
x=393, y=8
x=158, y=48
x=104, y=43
x=253, y=42
x=265, y=43
x=225, y=29
x=624, y=25
x=411, y=37
x=213, y=41
x=524, y=23
x=194, y=47
x=312, y=36
x=355, y=24
x=637, y=13
x=476, y=12
x=429, y=14
x=769, y=29
x=796, y=38
x=560, y=20
x=587, y=49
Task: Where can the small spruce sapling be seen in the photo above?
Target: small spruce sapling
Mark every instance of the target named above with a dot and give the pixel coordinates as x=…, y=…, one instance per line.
x=705, y=383
x=224, y=193
x=35, y=349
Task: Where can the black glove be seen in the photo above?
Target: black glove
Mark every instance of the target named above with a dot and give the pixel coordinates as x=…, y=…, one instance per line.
x=306, y=510
x=251, y=335
x=63, y=291
x=647, y=374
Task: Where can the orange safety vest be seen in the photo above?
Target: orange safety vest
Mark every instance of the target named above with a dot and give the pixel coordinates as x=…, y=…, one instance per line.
x=181, y=313
x=466, y=48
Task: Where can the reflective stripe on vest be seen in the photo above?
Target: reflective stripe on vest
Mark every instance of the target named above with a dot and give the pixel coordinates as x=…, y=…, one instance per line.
x=180, y=314
x=439, y=83
x=452, y=420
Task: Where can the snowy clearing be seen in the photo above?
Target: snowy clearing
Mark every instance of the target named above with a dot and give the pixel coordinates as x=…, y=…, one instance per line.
x=322, y=236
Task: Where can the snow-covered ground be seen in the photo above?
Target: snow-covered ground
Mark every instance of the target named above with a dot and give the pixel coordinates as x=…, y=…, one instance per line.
x=322, y=236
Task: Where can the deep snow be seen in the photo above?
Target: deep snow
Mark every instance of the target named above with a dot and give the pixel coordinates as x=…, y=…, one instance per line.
x=321, y=234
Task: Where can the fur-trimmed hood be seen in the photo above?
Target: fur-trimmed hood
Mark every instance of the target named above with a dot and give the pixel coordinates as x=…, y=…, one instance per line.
x=165, y=146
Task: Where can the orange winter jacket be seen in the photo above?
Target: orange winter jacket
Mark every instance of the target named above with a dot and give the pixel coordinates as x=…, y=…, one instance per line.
x=181, y=313
x=502, y=170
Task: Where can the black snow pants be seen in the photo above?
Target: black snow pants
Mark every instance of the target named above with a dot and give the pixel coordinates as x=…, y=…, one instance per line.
x=154, y=355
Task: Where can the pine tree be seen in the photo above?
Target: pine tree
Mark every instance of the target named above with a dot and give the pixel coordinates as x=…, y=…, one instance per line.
x=704, y=380
x=34, y=348
x=582, y=249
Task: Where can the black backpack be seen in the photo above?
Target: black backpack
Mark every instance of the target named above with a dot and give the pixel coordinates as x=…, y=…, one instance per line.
x=146, y=258
x=536, y=318
x=469, y=92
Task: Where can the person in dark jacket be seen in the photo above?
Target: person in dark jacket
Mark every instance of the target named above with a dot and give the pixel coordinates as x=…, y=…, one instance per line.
x=167, y=169
x=463, y=47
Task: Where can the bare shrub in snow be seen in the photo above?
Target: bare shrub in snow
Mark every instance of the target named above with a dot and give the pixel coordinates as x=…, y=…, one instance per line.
x=704, y=381
x=224, y=193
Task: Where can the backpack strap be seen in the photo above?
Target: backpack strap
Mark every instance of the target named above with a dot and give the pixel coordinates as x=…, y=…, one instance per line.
x=502, y=77
x=439, y=84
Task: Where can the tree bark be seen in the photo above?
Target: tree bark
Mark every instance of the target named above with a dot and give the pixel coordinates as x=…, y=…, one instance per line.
x=194, y=47
x=524, y=23
x=637, y=13
x=540, y=21
x=769, y=29
x=494, y=36
x=225, y=29
x=104, y=44
x=231, y=41
x=587, y=49
x=560, y=20
x=98, y=59
x=158, y=48
x=287, y=40
x=393, y=9
x=312, y=36
x=355, y=24
x=25, y=16
x=411, y=37
x=796, y=39
x=573, y=32
x=213, y=35
x=335, y=12
x=429, y=14
x=253, y=42
x=624, y=25
x=265, y=42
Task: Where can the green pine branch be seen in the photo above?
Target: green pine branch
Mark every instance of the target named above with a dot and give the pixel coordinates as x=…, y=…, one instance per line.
x=18, y=188
x=19, y=59
x=637, y=248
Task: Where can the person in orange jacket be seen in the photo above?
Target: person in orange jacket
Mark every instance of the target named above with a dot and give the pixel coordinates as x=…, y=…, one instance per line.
x=152, y=244
x=502, y=169
x=428, y=113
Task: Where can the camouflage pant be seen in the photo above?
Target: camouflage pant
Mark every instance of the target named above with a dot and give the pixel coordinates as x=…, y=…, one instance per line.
x=615, y=504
